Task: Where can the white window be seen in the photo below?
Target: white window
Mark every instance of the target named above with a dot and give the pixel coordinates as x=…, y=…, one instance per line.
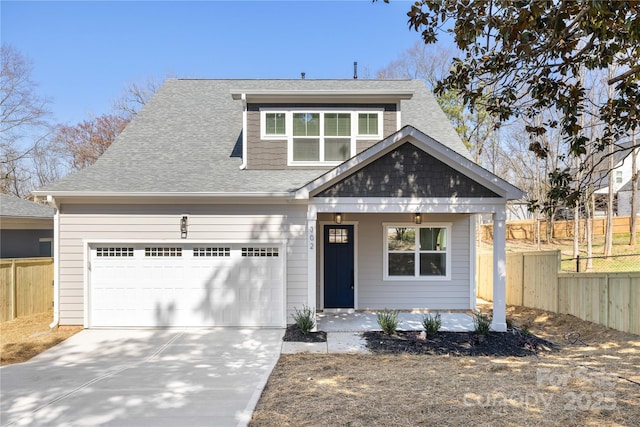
x=618, y=177
x=274, y=125
x=417, y=251
x=325, y=137
x=368, y=124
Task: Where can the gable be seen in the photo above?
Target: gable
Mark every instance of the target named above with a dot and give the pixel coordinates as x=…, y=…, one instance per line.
x=407, y=171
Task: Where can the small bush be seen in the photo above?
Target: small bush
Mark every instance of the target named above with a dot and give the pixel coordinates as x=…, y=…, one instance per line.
x=305, y=319
x=431, y=324
x=388, y=321
x=482, y=323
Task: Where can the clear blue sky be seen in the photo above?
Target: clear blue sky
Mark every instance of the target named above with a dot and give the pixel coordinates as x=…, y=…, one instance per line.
x=85, y=52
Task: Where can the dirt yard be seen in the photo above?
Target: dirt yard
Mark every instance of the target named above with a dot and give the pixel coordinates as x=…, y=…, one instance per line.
x=24, y=337
x=593, y=379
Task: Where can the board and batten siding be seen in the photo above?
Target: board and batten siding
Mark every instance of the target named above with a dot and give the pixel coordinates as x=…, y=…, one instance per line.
x=374, y=292
x=154, y=223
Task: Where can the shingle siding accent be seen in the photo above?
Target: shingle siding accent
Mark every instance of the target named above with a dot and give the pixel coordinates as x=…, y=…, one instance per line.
x=407, y=172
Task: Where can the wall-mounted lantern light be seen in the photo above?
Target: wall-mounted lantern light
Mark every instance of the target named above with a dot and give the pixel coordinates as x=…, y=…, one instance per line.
x=418, y=218
x=338, y=218
x=183, y=227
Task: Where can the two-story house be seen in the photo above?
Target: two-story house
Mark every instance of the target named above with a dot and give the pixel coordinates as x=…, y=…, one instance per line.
x=233, y=202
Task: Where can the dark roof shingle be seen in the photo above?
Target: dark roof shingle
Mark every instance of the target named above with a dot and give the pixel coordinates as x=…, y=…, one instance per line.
x=184, y=140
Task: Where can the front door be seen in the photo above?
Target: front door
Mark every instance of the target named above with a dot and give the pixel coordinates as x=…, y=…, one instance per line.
x=338, y=266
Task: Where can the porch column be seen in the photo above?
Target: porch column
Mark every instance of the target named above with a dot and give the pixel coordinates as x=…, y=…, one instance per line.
x=499, y=272
x=312, y=217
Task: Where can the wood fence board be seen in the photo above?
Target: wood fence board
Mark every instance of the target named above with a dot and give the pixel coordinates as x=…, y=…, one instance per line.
x=33, y=284
x=515, y=272
x=526, y=229
x=634, y=307
x=6, y=291
x=609, y=299
x=619, y=293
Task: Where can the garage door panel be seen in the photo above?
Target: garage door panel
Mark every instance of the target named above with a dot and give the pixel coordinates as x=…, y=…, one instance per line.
x=155, y=285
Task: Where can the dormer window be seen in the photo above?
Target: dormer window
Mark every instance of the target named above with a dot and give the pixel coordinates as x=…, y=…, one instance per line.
x=320, y=137
x=274, y=124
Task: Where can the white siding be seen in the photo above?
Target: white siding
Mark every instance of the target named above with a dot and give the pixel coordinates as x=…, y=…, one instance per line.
x=375, y=293
x=237, y=223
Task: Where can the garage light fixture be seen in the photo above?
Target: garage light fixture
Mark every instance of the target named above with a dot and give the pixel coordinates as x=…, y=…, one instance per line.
x=338, y=218
x=418, y=218
x=183, y=227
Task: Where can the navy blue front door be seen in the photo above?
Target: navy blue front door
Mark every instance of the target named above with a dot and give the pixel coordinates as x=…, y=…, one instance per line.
x=338, y=266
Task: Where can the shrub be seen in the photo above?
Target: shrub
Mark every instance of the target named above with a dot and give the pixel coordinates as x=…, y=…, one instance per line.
x=482, y=323
x=305, y=319
x=388, y=321
x=431, y=324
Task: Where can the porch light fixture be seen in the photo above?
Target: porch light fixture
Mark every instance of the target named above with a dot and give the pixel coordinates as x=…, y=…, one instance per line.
x=338, y=218
x=183, y=227
x=418, y=218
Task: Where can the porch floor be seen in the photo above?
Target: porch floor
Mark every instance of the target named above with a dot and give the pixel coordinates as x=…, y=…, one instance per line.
x=367, y=321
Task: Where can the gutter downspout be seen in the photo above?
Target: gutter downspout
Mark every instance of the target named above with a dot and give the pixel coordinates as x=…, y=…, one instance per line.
x=56, y=257
x=244, y=131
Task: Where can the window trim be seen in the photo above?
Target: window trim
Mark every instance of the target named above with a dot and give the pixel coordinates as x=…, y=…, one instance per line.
x=288, y=136
x=263, y=125
x=416, y=277
x=42, y=240
x=618, y=177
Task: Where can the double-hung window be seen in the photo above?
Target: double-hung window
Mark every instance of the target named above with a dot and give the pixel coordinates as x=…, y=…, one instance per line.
x=320, y=136
x=274, y=124
x=417, y=251
x=306, y=137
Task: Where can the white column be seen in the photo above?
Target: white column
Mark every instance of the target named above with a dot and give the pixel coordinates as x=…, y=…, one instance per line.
x=312, y=233
x=499, y=272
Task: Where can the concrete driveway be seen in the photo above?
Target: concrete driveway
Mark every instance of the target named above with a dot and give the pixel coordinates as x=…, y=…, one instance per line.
x=193, y=377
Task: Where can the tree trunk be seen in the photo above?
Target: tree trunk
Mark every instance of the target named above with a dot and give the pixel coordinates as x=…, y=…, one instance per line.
x=590, y=208
x=634, y=191
x=608, y=234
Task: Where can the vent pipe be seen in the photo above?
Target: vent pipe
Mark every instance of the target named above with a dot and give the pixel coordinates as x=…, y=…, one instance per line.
x=355, y=70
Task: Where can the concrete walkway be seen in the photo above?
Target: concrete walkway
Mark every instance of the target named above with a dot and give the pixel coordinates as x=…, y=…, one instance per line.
x=344, y=330
x=193, y=377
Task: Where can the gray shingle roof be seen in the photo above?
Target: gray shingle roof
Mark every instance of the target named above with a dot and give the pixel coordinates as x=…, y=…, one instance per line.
x=12, y=206
x=185, y=139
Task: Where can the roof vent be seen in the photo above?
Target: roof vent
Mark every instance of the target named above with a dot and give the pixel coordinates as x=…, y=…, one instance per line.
x=355, y=70
x=302, y=75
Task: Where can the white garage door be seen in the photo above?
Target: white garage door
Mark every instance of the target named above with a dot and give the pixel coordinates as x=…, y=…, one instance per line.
x=186, y=285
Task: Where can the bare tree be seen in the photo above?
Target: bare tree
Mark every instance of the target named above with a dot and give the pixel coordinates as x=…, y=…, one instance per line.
x=135, y=95
x=83, y=143
x=23, y=121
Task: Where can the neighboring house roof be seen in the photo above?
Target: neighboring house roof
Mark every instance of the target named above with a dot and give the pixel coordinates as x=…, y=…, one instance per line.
x=15, y=207
x=628, y=186
x=187, y=139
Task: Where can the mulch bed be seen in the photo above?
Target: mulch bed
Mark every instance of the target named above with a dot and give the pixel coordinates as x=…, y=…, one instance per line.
x=293, y=333
x=511, y=343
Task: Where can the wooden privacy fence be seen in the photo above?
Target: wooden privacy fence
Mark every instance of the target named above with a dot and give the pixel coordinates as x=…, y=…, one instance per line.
x=26, y=286
x=533, y=280
x=526, y=229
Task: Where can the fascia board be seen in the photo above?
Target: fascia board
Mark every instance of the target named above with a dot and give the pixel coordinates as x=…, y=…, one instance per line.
x=162, y=198
x=320, y=95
